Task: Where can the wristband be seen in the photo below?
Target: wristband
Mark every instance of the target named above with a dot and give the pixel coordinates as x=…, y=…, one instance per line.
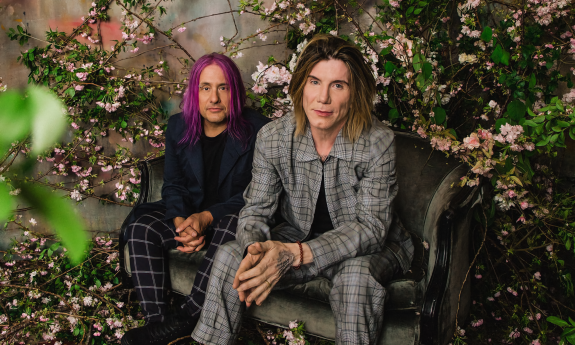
x=300, y=255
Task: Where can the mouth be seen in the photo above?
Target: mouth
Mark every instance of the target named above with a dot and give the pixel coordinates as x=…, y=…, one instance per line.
x=215, y=110
x=323, y=112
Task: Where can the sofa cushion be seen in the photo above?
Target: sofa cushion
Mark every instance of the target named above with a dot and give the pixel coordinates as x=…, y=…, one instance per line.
x=402, y=294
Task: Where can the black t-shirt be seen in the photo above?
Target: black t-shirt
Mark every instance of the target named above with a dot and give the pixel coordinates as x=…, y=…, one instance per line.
x=212, y=151
x=321, y=219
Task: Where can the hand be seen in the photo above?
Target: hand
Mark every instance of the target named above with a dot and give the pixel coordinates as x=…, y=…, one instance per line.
x=271, y=259
x=191, y=231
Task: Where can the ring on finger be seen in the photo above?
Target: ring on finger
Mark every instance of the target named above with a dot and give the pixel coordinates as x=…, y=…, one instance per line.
x=269, y=283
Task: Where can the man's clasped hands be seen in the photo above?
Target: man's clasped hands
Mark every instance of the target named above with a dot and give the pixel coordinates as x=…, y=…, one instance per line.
x=261, y=269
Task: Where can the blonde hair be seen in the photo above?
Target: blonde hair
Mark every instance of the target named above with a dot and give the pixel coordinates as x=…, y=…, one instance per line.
x=362, y=84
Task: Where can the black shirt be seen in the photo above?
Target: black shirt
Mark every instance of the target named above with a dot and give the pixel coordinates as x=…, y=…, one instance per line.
x=212, y=151
x=321, y=219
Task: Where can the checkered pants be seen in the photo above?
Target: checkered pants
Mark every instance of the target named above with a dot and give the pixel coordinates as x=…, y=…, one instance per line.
x=356, y=298
x=149, y=239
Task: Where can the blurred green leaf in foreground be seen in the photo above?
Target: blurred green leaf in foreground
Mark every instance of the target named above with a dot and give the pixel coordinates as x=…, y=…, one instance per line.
x=40, y=114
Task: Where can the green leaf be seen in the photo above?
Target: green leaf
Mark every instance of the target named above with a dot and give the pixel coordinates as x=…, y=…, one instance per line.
x=516, y=110
x=427, y=70
x=530, y=123
x=14, y=114
x=417, y=11
x=389, y=67
x=410, y=10
x=505, y=58
x=61, y=216
x=487, y=34
x=6, y=202
x=124, y=124
x=539, y=119
x=70, y=91
x=497, y=54
x=532, y=81
x=559, y=105
x=393, y=115
x=49, y=119
x=417, y=61
x=54, y=247
x=543, y=142
x=440, y=115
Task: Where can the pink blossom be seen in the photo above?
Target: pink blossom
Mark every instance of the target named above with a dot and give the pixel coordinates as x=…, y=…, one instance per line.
x=471, y=142
x=521, y=219
x=536, y=342
x=514, y=334
x=82, y=75
x=524, y=205
x=477, y=323
x=79, y=87
x=182, y=29
x=478, y=276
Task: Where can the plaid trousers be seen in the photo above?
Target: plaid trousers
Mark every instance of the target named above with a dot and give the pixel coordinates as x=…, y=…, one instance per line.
x=357, y=296
x=149, y=239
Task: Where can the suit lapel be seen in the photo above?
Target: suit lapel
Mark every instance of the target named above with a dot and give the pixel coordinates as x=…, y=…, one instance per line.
x=196, y=161
x=232, y=151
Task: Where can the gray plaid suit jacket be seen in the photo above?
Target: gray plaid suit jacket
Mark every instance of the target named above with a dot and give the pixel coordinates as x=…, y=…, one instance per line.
x=360, y=187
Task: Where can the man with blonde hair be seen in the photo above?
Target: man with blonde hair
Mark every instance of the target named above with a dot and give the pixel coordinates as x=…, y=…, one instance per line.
x=330, y=170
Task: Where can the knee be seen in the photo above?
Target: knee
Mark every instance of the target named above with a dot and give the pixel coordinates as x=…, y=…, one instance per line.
x=355, y=273
x=228, y=254
x=141, y=228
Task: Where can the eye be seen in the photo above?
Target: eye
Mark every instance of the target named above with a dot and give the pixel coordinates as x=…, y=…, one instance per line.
x=314, y=82
x=338, y=86
x=205, y=88
x=223, y=88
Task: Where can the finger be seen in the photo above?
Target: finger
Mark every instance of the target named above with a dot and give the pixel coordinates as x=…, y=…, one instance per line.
x=184, y=239
x=197, y=242
x=267, y=246
x=257, y=292
x=186, y=249
x=251, y=274
x=244, y=265
x=183, y=225
x=261, y=298
x=200, y=246
x=255, y=249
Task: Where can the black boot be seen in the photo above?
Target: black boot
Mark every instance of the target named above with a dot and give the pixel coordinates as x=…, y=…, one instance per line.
x=174, y=326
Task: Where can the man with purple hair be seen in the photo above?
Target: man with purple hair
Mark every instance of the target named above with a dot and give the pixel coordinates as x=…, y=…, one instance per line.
x=208, y=164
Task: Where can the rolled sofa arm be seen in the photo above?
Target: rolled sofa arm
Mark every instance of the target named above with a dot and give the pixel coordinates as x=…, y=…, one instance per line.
x=152, y=179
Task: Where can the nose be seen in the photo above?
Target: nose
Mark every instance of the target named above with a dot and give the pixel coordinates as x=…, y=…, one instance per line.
x=324, y=96
x=215, y=96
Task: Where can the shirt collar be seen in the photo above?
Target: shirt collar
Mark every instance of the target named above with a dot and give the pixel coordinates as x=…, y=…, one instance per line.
x=305, y=148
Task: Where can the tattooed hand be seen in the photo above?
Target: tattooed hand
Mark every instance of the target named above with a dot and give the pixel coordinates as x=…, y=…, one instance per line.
x=261, y=269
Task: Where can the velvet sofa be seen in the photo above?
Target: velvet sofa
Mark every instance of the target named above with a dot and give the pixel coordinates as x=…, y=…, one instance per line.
x=422, y=305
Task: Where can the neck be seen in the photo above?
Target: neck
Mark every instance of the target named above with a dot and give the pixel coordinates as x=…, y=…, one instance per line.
x=324, y=139
x=214, y=129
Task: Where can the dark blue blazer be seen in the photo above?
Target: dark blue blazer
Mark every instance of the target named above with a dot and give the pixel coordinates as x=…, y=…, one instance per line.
x=183, y=189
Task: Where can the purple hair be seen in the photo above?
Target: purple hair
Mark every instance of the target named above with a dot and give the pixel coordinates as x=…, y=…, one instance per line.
x=238, y=127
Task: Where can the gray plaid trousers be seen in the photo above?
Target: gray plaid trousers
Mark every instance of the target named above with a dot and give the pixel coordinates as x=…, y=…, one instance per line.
x=357, y=296
x=149, y=237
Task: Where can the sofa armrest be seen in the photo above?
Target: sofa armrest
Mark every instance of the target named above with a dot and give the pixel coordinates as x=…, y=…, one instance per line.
x=445, y=293
x=151, y=181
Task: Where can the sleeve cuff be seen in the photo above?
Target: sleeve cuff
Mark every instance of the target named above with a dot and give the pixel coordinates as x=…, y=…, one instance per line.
x=176, y=206
x=323, y=253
